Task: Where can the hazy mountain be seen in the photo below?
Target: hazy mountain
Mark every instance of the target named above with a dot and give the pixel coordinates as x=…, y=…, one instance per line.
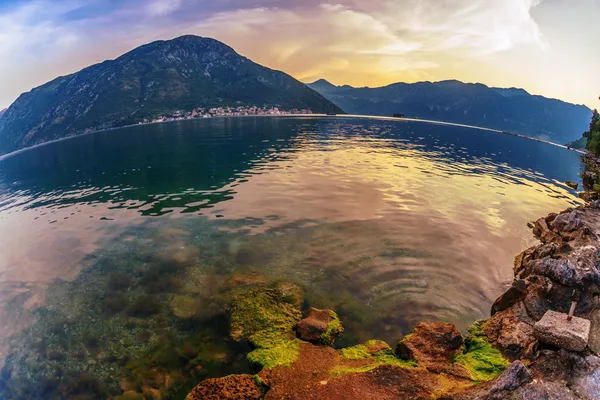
x=512, y=109
x=151, y=80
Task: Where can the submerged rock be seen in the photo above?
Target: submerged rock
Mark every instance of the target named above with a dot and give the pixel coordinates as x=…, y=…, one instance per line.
x=185, y=307
x=572, y=185
x=555, y=329
x=258, y=309
x=265, y=316
x=320, y=327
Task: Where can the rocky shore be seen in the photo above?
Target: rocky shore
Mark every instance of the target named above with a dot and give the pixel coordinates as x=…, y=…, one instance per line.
x=527, y=349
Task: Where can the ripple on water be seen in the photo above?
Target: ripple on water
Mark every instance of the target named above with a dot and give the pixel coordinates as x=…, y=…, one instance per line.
x=125, y=250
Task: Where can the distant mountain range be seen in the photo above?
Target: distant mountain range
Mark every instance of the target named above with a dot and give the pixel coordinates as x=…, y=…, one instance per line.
x=513, y=110
x=155, y=79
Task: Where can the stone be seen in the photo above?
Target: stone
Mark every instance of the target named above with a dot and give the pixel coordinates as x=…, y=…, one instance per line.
x=559, y=270
x=541, y=390
x=554, y=329
x=320, y=327
x=540, y=226
x=514, y=294
x=432, y=344
x=594, y=340
x=185, y=307
x=587, y=384
x=572, y=185
x=589, y=179
x=535, y=301
x=567, y=222
x=515, y=376
x=239, y=387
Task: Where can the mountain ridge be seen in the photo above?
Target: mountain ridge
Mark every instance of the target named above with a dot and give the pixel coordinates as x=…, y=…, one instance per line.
x=506, y=109
x=154, y=79
x=512, y=88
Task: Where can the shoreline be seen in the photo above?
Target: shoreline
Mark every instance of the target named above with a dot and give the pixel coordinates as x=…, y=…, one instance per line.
x=356, y=116
x=513, y=354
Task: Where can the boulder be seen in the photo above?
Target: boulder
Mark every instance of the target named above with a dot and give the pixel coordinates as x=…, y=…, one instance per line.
x=567, y=222
x=432, y=344
x=589, y=179
x=587, y=384
x=540, y=226
x=514, y=294
x=556, y=330
x=515, y=376
x=320, y=327
x=559, y=270
x=541, y=390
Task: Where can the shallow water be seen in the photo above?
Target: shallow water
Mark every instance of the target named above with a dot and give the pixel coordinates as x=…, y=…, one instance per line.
x=103, y=237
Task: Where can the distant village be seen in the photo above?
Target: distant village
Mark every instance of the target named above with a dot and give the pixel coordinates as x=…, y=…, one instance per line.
x=224, y=112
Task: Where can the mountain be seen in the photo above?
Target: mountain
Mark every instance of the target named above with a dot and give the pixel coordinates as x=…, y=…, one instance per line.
x=512, y=109
x=155, y=79
x=2, y=112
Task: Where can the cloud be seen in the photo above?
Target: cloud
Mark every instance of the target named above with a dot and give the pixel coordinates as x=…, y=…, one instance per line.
x=358, y=42
x=160, y=8
x=478, y=26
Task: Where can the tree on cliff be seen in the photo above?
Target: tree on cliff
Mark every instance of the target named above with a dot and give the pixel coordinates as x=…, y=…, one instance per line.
x=593, y=135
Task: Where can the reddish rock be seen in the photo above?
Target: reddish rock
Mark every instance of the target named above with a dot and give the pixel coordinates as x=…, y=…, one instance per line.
x=512, y=332
x=540, y=227
x=514, y=294
x=432, y=344
x=233, y=387
x=320, y=327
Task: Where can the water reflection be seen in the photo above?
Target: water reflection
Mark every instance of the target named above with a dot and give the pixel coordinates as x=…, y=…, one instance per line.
x=388, y=222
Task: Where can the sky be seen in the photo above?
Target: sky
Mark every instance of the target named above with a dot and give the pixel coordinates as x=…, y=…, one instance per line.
x=548, y=47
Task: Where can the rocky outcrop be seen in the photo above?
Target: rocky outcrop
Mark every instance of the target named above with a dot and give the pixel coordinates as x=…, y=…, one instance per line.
x=526, y=350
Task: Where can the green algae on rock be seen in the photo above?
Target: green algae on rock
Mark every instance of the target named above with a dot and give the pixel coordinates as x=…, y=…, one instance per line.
x=320, y=327
x=334, y=328
x=481, y=359
x=375, y=353
x=265, y=316
x=433, y=345
x=264, y=308
x=282, y=353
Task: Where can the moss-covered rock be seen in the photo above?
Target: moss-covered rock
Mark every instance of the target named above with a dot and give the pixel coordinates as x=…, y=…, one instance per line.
x=481, y=359
x=264, y=308
x=320, y=327
x=373, y=353
x=282, y=352
x=265, y=316
x=433, y=345
x=572, y=185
